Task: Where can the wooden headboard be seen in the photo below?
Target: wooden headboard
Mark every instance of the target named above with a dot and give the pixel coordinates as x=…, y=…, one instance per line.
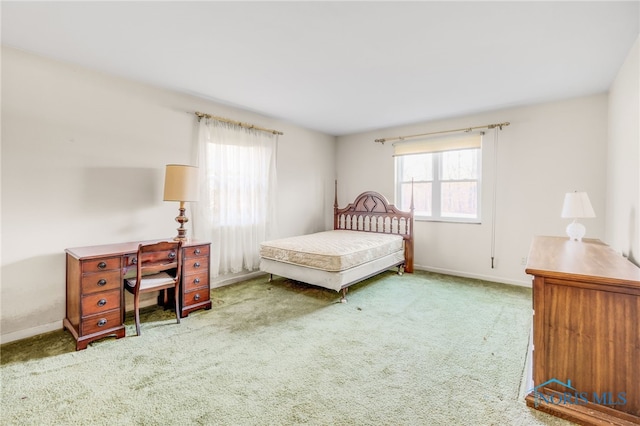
x=371, y=212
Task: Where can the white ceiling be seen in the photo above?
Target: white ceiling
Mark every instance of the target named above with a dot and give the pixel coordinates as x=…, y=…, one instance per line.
x=341, y=67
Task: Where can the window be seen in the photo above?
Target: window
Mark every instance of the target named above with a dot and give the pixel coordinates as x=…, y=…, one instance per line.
x=240, y=178
x=446, y=178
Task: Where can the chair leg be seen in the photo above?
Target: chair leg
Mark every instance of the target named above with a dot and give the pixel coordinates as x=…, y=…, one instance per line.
x=177, y=298
x=136, y=308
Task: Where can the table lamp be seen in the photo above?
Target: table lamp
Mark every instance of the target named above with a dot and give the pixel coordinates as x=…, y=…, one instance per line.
x=576, y=205
x=181, y=184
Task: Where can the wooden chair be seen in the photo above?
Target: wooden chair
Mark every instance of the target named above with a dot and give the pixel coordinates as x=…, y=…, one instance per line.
x=158, y=268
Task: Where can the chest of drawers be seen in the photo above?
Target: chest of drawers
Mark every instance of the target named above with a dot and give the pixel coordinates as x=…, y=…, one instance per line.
x=95, y=300
x=586, y=332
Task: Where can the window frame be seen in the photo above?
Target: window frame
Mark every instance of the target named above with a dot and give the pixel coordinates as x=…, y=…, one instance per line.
x=436, y=188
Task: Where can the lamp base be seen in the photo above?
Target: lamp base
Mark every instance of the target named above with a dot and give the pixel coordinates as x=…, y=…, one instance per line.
x=181, y=219
x=180, y=237
x=576, y=231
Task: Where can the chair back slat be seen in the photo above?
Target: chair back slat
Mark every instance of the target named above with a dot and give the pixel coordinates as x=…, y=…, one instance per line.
x=158, y=257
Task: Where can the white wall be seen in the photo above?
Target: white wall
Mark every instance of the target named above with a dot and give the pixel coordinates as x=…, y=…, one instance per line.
x=83, y=158
x=623, y=159
x=548, y=150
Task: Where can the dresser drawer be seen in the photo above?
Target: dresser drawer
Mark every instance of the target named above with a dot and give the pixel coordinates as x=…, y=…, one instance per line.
x=196, y=280
x=198, y=296
x=195, y=251
x=97, y=265
x=101, y=322
x=101, y=302
x=100, y=281
x=195, y=265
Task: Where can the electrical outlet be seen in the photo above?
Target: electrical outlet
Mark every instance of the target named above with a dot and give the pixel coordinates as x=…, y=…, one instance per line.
x=523, y=261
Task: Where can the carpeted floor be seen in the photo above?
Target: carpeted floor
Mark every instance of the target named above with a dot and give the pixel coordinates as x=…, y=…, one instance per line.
x=417, y=349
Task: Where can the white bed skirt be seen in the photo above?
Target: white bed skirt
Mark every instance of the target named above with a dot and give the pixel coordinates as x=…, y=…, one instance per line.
x=332, y=280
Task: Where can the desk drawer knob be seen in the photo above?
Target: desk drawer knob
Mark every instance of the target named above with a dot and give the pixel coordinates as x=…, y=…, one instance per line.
x=197, y=251
x=196, y=281
x=102, y=322
x=102, y=302
x=102, y=282
x=196, y=297
x=172, y=255
x=196, y=265
x=102, y=265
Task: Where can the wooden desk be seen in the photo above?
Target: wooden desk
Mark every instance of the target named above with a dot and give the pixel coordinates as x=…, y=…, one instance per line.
x=95, y=298
x=586, y=332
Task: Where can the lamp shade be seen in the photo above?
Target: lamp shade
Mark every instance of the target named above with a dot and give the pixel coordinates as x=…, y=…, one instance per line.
x=577, y=204
x=181, y=183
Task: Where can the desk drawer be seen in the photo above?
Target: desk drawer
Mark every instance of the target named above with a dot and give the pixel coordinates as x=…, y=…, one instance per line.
x=100, y=302
x=195, y=265
x=101, y=322
x=100, y=281
x=196, y=251
x=104, y=264
x=194, y=281
x=198, y=296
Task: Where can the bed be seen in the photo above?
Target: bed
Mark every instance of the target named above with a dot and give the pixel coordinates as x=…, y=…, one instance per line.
x=369, y=236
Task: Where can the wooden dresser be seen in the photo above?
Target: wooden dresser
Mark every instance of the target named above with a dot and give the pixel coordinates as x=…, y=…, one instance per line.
x=586, y=332
x=95, y=299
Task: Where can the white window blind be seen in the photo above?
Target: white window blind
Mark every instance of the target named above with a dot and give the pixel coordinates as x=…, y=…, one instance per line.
x=448, y=143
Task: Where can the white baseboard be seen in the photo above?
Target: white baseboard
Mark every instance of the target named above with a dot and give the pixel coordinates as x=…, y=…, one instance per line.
x=474, y=276
x=30, y=332
x=224, y=280
x=57, y=325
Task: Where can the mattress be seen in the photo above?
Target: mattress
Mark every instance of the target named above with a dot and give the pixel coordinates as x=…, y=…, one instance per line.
x=332, y=251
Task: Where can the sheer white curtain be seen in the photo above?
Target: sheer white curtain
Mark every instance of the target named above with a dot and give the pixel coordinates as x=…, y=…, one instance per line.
x=236, y=211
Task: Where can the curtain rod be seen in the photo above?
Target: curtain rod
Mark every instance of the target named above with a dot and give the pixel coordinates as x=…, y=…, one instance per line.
x=200, y=115
x=467, y=129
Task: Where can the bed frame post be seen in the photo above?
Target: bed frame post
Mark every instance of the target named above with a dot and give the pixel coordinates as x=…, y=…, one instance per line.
x=411, y=207
x=408, y=244
x=408, y=256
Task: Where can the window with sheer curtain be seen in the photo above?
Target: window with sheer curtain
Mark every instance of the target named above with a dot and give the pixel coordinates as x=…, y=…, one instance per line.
x=445, y=176
x=237, y=169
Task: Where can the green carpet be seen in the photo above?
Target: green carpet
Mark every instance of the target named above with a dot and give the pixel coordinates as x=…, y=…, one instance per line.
x=417, y=349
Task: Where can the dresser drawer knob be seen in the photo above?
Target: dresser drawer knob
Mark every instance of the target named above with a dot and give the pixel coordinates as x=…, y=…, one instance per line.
x=197, y=251
x=102, y=302
x=196, y=265
x=172, y=255
x=102, y=322
x=196, y=281
x=102, y=282
x=102, y=265
x=196, y=297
